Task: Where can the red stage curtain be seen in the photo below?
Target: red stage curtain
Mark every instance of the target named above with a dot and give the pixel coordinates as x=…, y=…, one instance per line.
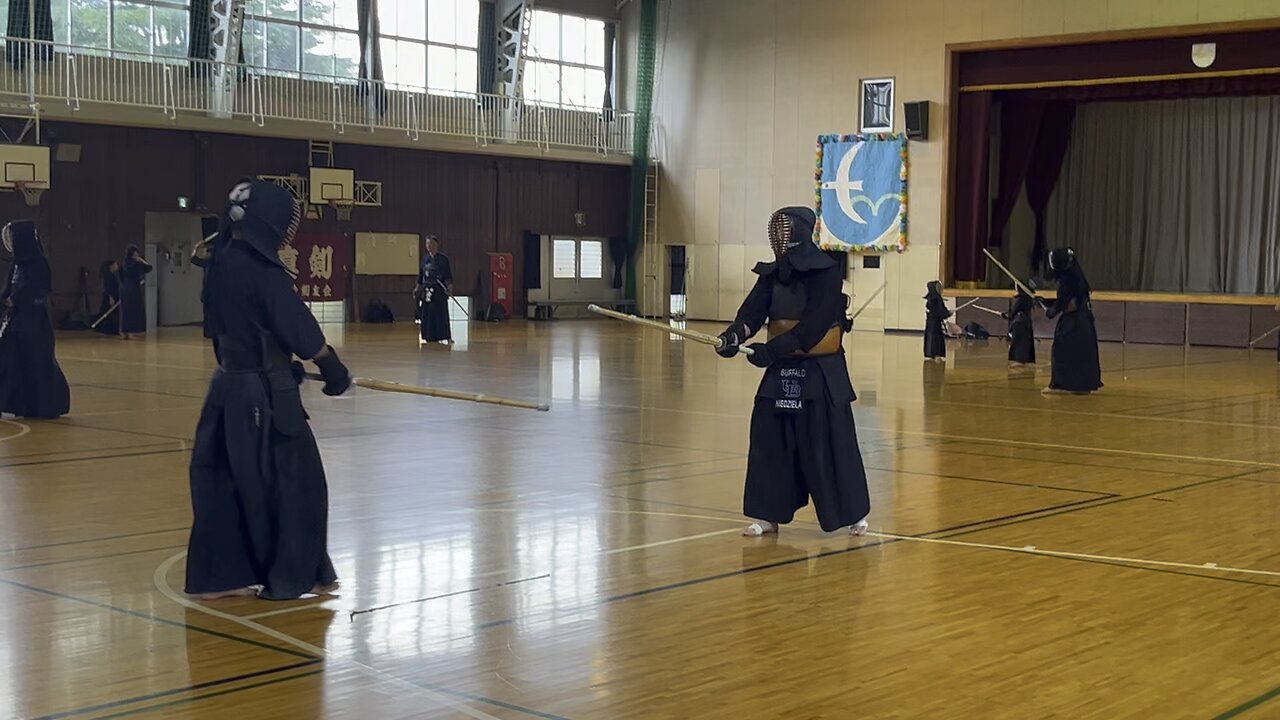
x=970, y=192
x=1046, y=165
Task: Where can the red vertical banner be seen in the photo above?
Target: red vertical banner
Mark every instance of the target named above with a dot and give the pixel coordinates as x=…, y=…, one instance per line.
x=500, y=268
x=321, y=266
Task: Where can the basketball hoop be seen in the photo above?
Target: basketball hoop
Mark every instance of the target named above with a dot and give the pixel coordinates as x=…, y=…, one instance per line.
x=31, y=190
x=342, y=209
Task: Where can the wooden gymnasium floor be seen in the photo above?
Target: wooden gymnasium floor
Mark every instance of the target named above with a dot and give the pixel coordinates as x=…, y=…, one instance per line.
x=1115, y=556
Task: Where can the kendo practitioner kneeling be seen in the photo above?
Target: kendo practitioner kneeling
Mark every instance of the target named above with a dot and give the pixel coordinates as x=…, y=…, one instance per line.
x=803, y=440
x=257, y=482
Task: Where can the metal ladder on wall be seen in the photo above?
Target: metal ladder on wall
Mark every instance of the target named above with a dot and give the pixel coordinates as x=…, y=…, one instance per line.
x=653, y=304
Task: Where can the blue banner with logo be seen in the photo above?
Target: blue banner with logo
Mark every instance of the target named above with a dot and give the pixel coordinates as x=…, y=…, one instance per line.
x=861, y=193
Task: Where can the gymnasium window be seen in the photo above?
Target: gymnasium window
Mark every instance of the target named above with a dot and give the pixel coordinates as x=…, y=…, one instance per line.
x=311, y=38
x=565, y=64
x=577, y=259
x=564, y=260
x=146, y=27
x=430, y=45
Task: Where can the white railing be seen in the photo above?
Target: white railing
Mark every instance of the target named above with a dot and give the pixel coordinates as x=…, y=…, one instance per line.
x=82, y=77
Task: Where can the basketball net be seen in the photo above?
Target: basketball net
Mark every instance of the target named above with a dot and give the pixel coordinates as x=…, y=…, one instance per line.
x=31, y=191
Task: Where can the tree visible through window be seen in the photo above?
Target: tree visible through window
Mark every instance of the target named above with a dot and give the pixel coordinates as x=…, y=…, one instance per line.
x=146, y=27
x=430, y=45
x=566, y=61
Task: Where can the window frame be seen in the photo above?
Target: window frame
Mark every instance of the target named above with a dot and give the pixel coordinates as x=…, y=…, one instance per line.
x=426, y=43
x=533, y=61
x=111, y=49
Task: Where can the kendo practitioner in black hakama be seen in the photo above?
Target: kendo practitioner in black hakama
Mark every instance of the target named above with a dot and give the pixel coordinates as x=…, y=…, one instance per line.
x=936, y=314
x=109, y=318
x=1022, y=340
x=258, y=488
x=31, y=383
x=133, y=278
x=803, y=440
x=435, y=285
x=1075, y=339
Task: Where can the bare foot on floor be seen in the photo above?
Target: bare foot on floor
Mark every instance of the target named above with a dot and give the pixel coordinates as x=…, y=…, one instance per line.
x=329, y=589
x=237, y=592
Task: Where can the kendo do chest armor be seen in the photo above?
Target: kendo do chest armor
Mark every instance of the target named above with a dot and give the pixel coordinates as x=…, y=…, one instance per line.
x=785, y=309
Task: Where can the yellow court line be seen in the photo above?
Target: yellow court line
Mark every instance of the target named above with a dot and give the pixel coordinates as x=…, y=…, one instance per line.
x=1033, y=550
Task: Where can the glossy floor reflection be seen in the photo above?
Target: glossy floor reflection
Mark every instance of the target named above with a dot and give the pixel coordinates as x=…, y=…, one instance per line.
x=1106, y=556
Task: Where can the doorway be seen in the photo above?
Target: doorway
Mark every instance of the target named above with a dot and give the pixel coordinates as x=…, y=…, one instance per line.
x=170, y=238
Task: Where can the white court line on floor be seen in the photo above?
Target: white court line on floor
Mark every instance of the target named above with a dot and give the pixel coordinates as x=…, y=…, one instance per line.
x=1033, y=550
x=161, y=582
x=23, y=429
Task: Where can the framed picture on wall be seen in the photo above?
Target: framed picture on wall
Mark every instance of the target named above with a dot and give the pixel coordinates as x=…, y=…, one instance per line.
x=877, y=105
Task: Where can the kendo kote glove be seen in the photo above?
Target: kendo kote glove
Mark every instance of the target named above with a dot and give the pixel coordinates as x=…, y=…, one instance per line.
x=299, y=372
x=337, y=379
x=761, y=356
x=730, y=341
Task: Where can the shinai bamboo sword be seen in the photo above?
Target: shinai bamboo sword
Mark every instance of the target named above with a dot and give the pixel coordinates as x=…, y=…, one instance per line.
x=693, y=335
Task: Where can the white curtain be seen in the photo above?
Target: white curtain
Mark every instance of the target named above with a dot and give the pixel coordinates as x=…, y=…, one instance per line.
x=1173, y=195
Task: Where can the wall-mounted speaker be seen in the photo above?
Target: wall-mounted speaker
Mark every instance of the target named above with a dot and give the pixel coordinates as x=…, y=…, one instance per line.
x=67, y=152
x=917, y=117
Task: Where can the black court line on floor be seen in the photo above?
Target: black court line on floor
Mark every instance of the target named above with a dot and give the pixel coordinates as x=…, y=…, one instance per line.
x=139, y=433
x=176, y=691
x=206, y=696
x=108, y=538
x=1248, y=705
x=87, y=558
x=142, y=453
x=140, y=391
x=758, y=568
x=1036, y=486
x=1168, y=571
x=1074, y=463
x=156, y=619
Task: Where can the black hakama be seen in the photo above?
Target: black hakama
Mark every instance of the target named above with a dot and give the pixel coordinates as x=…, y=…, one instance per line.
x=935, y=337
x=133, y=307
x=806, y=451
x=435, y=279
x=1022, y=339
x=258, y=491
x=1075, y=338
x=31, y=382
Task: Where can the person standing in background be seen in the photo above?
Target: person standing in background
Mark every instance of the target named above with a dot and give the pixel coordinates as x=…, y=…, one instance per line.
x=109, y=316
x=435, y=286
x=133, y=317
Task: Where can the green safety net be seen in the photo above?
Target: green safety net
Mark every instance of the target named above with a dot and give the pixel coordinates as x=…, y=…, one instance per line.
x=646, y=54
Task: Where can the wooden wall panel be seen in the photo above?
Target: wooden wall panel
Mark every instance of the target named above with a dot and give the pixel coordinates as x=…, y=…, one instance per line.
x=1109, y=320
x=475, y=204
x=1155, y=323
x=1261, y=320
x=1218, y=325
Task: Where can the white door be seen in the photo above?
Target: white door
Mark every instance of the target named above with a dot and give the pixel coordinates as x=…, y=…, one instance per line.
x=172, y=237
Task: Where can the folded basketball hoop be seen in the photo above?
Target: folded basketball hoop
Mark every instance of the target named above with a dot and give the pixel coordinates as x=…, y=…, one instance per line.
x=31, y=190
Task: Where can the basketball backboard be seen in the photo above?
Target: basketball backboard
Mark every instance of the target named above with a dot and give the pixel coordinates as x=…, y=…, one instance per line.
x=329, y=185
